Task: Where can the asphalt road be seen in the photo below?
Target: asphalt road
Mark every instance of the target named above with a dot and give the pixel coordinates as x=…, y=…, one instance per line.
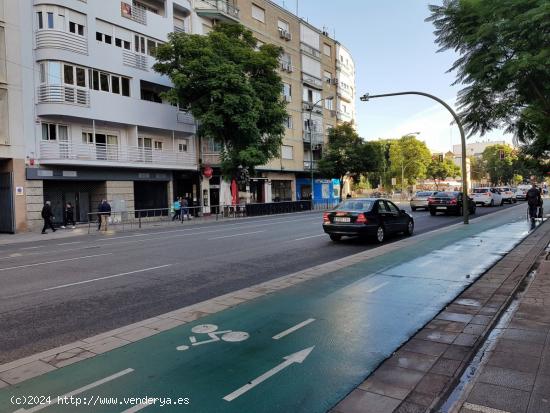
x=53, y=293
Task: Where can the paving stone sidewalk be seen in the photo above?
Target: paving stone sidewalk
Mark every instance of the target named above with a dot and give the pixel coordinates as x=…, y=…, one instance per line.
x=424, y=371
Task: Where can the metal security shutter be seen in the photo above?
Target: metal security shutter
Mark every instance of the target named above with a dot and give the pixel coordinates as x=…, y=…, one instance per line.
x=7, y=221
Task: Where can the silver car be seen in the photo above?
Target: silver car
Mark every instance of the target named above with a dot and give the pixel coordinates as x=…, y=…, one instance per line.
x=420, y=199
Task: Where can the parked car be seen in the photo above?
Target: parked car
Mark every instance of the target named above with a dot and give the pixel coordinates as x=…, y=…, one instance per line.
x=507, y=194
x=449, y=203
x=521, y=192
x=367, y=217
x=487, y=196
x=420, y=199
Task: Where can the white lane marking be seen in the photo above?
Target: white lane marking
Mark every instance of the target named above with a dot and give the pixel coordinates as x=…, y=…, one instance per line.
x=30, y=248
x=293, y=329
x=298, y=357
x=312, y=236
x=235, y=235
x=136, y=408
x=106, y=278
x=482, y=409
x=53, y=262
x=71, y=243
x=373, y=289
x=77, y=391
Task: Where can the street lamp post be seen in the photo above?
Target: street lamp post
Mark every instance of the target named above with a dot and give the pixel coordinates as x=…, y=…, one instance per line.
x=466, y=201
x=311, y=146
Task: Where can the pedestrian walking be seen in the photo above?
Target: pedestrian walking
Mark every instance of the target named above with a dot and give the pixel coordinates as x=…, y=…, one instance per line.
x=47, y=216
x=68, y=216
x=177, y=209
x=103, y=214
x=534, y=201
x=184, y=209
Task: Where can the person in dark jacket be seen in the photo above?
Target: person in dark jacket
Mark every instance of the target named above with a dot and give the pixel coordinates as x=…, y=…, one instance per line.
x=68, y=216
x=103, y=214
x=534, y=200
x=47, y=216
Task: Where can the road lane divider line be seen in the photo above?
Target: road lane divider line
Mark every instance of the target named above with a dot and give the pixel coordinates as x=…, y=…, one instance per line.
x=293, y=329
x=30, y=248
x=54, y=262
x=106, y=277
x=312, y=236
x=373, y=289
x=77, y=391
x=71, y=243
x=235, y=235
x=298, y=357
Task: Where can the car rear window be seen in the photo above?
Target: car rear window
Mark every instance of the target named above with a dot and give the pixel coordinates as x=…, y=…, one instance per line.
x=480, y=190
x=424, y=193
x=355, y=205
x=446, y=194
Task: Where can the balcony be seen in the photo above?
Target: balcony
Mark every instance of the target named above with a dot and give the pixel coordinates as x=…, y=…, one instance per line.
x=317, y=138
x=310, y=51
x=57, y=39
x=185, y=117
x=59, y=152
x=63, y=94
x=135, y=60
x=178, y=29
x=312, y=81
x=307, y=106
x=222, y=10
x=308, y=165
x=133, y=12
x=212, y=159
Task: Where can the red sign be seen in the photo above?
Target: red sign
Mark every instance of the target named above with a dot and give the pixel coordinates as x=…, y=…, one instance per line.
x=207, y=172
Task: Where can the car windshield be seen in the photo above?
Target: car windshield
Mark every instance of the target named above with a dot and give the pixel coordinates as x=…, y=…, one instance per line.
x=424, y=193
x=481, y=190
x=355, y=205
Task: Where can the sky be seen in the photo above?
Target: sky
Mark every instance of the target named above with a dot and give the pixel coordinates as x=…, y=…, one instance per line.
x=394, y=51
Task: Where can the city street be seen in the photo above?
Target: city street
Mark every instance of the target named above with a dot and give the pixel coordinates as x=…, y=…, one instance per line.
x=335, y=329
x=55, y=293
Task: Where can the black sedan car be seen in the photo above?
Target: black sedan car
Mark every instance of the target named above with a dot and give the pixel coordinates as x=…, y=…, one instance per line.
x=449, y=203
x=367, y=217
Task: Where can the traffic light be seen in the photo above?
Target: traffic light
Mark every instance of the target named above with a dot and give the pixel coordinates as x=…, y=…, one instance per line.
x=501, y=154
x=440, y=157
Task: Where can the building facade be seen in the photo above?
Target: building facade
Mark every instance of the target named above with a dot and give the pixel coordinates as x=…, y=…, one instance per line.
x=82, y=116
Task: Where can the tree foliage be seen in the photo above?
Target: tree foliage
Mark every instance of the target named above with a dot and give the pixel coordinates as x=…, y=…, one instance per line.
x=411, y=156
x=231, y=88
x=440, y=170
x=504, y=48
x=499, y=163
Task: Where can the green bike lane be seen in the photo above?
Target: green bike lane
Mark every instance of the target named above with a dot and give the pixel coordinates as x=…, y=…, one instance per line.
x=299, y=350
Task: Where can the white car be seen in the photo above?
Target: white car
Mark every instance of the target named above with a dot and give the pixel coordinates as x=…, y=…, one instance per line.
x=487, y=196
x=521, y=192
x=507, y=194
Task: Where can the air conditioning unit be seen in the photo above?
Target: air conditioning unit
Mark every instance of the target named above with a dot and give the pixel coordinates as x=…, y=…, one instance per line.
x=288, y=36
x=285, y=34
x=334, y=81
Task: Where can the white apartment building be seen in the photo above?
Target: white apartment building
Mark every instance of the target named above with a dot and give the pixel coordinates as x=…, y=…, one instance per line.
x=82, y=117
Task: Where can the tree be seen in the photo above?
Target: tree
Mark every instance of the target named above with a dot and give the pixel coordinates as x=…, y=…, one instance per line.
x=343, y=154
x=231, y=88
x=477, y=169
x=504, y=48
x=409, y=157
x=499, y=162
x=440, y=170
x=373, y=155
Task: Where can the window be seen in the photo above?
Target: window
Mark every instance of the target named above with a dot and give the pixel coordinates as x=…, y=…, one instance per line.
x=118, y=42
x=287, y=152
x=288, y=122
x=68, y=74
x=287, y=91
x=80, y=29
x=76, y=28
x=40, y=20
x=258, y=13
x=327, y=49
x=281, y=190
x=212, y=146
x=125, y=86
x=328, y=76
x=104, y=81
x=99, y=36
x=182, y=145
x=328, y=104
x=108, y=39
x=151, y=47
x=126, y=45
x=49, y=131
x=115, y=84
x=158, y=145
x=87, y=137
x=95, y=80
x=54, y=73
x=283, y=26
x=81, y=77
x=139, y=44
x=42, y=72
x=50, y=20
x=72, y=27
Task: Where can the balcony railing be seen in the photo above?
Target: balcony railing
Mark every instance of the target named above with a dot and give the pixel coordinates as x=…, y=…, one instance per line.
x=317, y=138
x=57, y=39
x=69, y=151
x=308, y=164
x=178, y=29
x=307, y=106
x=217, y=9
x=312, y=81
x=63, y=94
x=185, y=117
x=307, y=49
x=211, y=158
x=135, y=60
x=133, y=12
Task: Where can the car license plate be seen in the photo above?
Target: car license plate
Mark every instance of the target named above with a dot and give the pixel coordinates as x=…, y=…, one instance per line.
x=441, y=208
x=342, y=219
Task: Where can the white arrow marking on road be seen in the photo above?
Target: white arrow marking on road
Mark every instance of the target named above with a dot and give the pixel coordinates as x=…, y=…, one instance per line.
x=53, y=262
x=298, y=357
x=293, y=329
x=75, y=392
x=373, y=289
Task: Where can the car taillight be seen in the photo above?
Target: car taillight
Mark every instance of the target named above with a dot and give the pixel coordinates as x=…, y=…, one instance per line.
x=361, y=219
x=430, y=199
x=487, y=194
x=325, y=217
x=453, y=201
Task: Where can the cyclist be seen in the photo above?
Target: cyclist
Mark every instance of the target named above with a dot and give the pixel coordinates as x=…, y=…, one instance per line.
x=534, y=200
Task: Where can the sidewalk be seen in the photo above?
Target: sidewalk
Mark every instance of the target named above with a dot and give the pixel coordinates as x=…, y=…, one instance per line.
x=515, y=377
x=420, y=376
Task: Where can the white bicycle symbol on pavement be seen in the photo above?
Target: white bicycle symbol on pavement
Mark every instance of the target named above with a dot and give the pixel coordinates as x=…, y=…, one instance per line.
x=211, y=330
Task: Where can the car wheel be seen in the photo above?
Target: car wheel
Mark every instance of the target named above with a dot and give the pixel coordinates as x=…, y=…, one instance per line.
x=335, y=237
x=432, y=212
x=413, y=208
x=514, y=200
x=380, y=234
x=410, y=228
x=492, y=204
